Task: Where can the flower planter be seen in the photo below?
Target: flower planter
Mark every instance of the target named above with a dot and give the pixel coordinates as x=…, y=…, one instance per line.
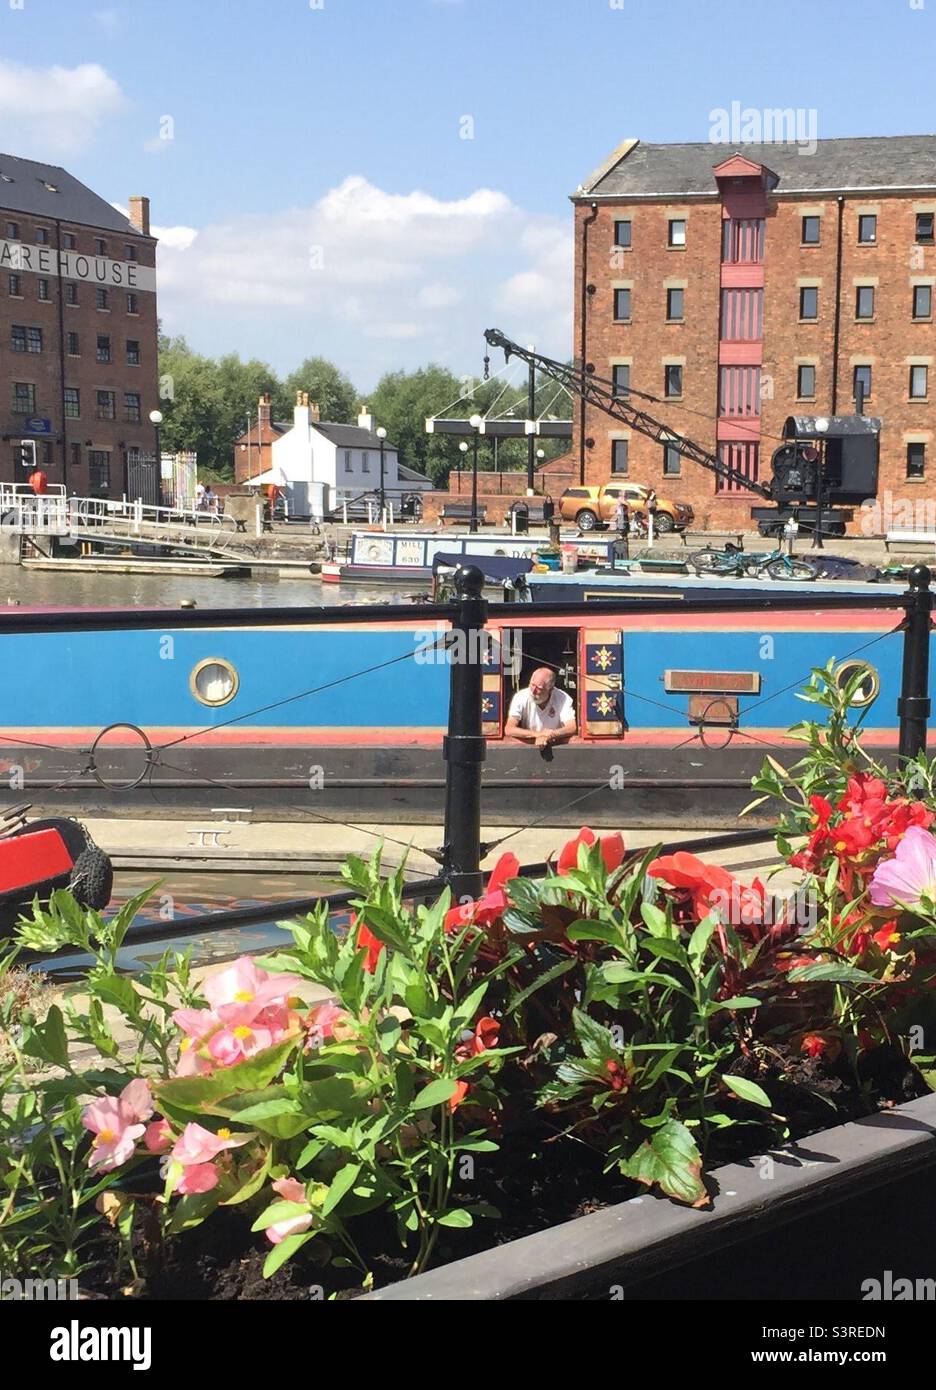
x=800, y=1224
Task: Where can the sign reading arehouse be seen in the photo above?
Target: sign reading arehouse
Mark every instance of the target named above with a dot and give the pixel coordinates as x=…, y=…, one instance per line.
x=72, y=265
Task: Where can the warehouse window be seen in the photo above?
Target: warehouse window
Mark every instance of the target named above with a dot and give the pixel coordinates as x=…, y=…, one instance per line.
x=672, y=380
x=806, y=382
x=72, y=403
x=916, y=460
x=809, y=302
x=864, y=302
x=619, y=449
x=922, y=301
x=919, y=383
x=674, y=305
x=24, y=398
x=620, y=378
x=622, y=305
x=622, y=233
x=810, y=232
x=867, y=229
x=861, y=377
x=677, y=231
x=924, y=228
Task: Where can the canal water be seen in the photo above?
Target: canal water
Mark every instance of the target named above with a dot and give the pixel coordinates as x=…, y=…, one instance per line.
x=51, y=589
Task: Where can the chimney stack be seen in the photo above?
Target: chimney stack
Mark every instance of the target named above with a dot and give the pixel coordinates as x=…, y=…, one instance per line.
x=314, y=412
x=365, y=419
x=140, y=214
x=264, y=408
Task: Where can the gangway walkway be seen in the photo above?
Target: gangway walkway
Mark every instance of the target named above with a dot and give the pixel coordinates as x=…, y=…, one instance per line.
x=103, y=522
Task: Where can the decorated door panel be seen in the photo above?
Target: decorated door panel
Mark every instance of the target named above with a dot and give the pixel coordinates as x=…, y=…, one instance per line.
x=492, y=684
x=602, y=683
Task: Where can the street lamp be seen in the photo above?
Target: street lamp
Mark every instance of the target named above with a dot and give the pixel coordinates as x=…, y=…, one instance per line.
x=382, y=435
x=462, y=449
x=156, y=419
x=475, y=422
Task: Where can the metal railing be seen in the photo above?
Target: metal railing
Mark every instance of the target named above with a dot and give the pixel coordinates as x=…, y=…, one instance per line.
x=30, y=514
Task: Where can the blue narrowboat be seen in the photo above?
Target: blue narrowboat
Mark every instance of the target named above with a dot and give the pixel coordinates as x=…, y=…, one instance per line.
x=340, y=712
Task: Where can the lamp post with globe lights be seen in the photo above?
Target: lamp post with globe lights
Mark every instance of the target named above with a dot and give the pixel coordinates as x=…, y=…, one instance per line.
x=475, y=422
x=382, y=436
x=156, y=419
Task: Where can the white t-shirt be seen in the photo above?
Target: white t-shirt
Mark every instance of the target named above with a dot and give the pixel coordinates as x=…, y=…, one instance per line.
x=558, y=710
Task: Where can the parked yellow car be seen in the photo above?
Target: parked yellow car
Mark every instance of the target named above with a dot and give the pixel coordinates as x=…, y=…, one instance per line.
x=590, y=507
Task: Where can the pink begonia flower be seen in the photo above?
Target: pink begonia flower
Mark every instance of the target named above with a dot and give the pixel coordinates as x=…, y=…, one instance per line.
x=196, y=1178
x=157, y=1137
x=910, y=876
x=200, y=1145
x=240, y=992
x=320, y=1024
x=115, y=1133
x=191, y=1062
x=136, y=1100
x=196, y=1023
x=233, y=1045
x=291, y=1190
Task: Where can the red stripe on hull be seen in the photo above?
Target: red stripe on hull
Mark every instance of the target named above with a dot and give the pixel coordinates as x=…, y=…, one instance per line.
x=29, y=860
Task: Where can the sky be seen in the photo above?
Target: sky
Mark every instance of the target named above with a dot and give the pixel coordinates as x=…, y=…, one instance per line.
x=378, y=181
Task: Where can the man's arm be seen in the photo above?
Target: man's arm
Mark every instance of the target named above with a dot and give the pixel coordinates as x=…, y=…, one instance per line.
x=513, y=728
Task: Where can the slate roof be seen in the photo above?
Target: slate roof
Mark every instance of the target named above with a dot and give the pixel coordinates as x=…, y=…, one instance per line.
x=855, y=163
x=350, y=436
x=45, y=190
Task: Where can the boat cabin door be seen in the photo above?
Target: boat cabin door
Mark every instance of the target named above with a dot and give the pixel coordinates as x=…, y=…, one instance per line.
x=601, y=663
x=517, y=653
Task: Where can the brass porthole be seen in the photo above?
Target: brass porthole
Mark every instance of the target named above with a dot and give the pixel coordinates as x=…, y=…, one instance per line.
x=869, y=688
x=214, y=681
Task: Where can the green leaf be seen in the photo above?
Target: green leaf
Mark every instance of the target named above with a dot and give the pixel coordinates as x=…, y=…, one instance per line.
x=699, y=940
x=747, y=1090
x=253, y=1184
x=436, y=1093
x=280, y=1210
x=597, y=1042
x=740, y=1001
x=341, y=1185
x=586, y=930
x=655, y=920
x=54, y=1037
x=664, y=949
x=191, y=1211
x=832, y=972
x=671, y=1160
x=194, y=1092
x=285, y=1251
x=552, y=973
x=457, y=1217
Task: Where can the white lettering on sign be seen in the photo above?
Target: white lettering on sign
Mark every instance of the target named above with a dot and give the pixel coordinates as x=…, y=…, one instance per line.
x=73, y=265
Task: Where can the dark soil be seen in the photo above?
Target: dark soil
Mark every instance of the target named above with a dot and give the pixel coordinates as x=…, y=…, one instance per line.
x=536, y=1180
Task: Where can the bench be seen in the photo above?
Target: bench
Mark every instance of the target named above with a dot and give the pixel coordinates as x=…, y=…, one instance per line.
x=461, y=511
x=910, y=541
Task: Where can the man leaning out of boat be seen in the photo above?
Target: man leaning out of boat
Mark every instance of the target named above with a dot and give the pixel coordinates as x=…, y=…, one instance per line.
x=541, y=714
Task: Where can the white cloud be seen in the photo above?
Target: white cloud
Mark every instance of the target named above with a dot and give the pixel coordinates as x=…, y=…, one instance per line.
x=373, y=279
x=48, y=112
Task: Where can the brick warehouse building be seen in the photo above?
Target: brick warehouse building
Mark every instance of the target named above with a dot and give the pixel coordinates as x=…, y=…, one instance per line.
x=77, y=329
x=744, y=286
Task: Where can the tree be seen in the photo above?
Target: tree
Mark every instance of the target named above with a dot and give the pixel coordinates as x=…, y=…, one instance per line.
x=329, y=388
x=402, y=402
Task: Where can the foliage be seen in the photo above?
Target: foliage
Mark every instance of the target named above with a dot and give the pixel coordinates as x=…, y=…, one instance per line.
x=645, y=1009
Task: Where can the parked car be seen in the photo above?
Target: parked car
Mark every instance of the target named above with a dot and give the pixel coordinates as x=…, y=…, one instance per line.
x=590, y=507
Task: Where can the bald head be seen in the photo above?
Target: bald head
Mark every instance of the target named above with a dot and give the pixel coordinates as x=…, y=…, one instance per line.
x=542, y=683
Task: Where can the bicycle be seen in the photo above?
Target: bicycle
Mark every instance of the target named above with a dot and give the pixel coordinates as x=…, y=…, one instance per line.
x=752, y=564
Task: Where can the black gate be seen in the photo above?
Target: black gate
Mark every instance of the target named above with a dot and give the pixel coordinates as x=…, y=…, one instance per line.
x=143, y=480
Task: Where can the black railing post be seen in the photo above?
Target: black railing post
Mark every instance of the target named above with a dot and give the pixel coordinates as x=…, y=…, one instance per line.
x=913, y=707
x=464, y=747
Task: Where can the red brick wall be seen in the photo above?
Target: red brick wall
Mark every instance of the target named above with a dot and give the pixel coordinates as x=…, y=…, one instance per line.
x=647, y=340
x=42, y=370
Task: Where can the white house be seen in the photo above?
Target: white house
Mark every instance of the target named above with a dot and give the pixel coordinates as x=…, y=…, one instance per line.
x=320, y=465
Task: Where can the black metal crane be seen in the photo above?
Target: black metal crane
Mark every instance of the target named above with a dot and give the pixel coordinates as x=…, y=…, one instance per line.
x=614, y=401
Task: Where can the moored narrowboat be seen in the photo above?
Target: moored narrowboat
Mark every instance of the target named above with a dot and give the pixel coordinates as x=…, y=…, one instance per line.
x=340, y=713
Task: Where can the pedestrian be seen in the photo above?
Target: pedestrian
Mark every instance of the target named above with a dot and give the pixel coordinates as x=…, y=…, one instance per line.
x=38, y=481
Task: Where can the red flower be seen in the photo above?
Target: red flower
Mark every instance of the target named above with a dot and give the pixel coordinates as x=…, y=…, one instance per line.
x=618, y=1076
x=461, y=1090
x=367, y=941
x=481, y=1040
x=887, y=938
x=814, y=1044
x=612, y=850
x=703, y=881
x=486, y=910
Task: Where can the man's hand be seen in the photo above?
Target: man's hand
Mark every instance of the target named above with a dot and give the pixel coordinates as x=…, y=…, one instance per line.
x=545, y=739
